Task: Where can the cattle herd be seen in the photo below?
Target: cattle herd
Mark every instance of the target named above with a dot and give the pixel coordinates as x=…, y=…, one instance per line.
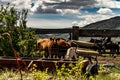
x=57, y=47
x=53, y=46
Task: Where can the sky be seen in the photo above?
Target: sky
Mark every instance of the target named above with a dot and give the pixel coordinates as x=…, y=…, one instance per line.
x=65, y=13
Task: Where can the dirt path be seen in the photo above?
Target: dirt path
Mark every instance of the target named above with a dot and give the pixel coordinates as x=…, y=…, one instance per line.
x=106, y=60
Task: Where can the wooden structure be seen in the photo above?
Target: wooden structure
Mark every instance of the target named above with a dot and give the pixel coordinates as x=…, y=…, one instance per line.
x=76, y=32
x=42, y=63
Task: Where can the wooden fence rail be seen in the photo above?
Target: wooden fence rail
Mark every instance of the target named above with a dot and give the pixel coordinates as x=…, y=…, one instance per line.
x=76, y=32
x=99, y=33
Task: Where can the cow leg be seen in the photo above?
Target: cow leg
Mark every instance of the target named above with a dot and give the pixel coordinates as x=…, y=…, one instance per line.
x=117, y=50
x=47, y=53
x=112, y=51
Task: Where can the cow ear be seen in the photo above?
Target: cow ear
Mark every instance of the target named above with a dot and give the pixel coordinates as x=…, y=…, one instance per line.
x=39, y=44
x=51, y=39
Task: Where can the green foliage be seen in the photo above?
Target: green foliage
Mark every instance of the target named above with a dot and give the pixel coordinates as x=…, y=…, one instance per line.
x=14, y=75
x=72, y=72
x=23, y=38
x=39, y=75
x=26, y=41
x=63, y=73
x=9, y=16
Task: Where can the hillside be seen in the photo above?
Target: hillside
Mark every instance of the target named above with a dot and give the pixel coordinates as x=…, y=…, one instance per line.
x=112, y=23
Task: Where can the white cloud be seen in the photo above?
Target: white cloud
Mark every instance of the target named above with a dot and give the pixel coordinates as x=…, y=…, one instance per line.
x=51, y=1
x=91, y=18
x=37, y=4
x=108, y=3
x=22, y=4
x=47, y=6
x=62, y=23
x=75, y=23
x=59, y=6
x=105, y=11
x=68, y=11
x=49, y=23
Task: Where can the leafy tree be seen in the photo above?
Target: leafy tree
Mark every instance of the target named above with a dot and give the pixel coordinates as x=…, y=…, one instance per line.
x=23, y=38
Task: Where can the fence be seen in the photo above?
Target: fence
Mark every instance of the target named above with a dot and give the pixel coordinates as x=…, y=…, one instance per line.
x=76, y=32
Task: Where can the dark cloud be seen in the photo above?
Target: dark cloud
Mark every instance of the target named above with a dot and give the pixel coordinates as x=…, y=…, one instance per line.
x=73, y=4
x=66, y=4
x=47, y=10
x=51, y=6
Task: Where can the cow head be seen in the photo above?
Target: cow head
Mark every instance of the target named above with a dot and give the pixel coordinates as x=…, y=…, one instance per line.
x=54, y=40
x=63, y=43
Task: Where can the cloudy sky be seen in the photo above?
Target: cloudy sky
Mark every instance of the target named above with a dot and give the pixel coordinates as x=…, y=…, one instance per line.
x=66, y=13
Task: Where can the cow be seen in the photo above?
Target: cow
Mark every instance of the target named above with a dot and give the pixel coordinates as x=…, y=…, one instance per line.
x=63, y=46
x=44, y=45
x=53, y=46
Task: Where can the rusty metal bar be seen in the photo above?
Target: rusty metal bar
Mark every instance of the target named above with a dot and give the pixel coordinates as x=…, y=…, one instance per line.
x=41, y=63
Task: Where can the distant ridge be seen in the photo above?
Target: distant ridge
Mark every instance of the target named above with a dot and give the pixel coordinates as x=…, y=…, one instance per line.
x=112, y=23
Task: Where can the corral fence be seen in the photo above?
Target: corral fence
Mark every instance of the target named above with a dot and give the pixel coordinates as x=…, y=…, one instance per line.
x=76, y=32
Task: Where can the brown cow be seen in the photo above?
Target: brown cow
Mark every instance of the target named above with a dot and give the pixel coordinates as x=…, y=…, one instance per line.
x=59, y=47
x=53, y=46
x=63, y=46
x=43, y=45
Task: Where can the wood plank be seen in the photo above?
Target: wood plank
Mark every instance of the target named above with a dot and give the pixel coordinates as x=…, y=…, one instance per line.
x=99, y=33
x=51, y=31
x=82, y=32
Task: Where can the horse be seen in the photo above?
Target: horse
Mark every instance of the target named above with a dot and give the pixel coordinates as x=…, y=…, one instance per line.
x=98, y=44
x=96, y=40
x=113, y=47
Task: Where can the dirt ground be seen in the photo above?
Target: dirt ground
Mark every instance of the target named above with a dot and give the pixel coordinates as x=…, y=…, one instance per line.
x=109, y=60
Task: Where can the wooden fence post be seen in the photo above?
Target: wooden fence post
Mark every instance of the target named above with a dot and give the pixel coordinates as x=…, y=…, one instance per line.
x=75, y=33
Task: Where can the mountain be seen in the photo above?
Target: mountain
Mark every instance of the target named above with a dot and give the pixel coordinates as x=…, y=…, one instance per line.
x=112, y=23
